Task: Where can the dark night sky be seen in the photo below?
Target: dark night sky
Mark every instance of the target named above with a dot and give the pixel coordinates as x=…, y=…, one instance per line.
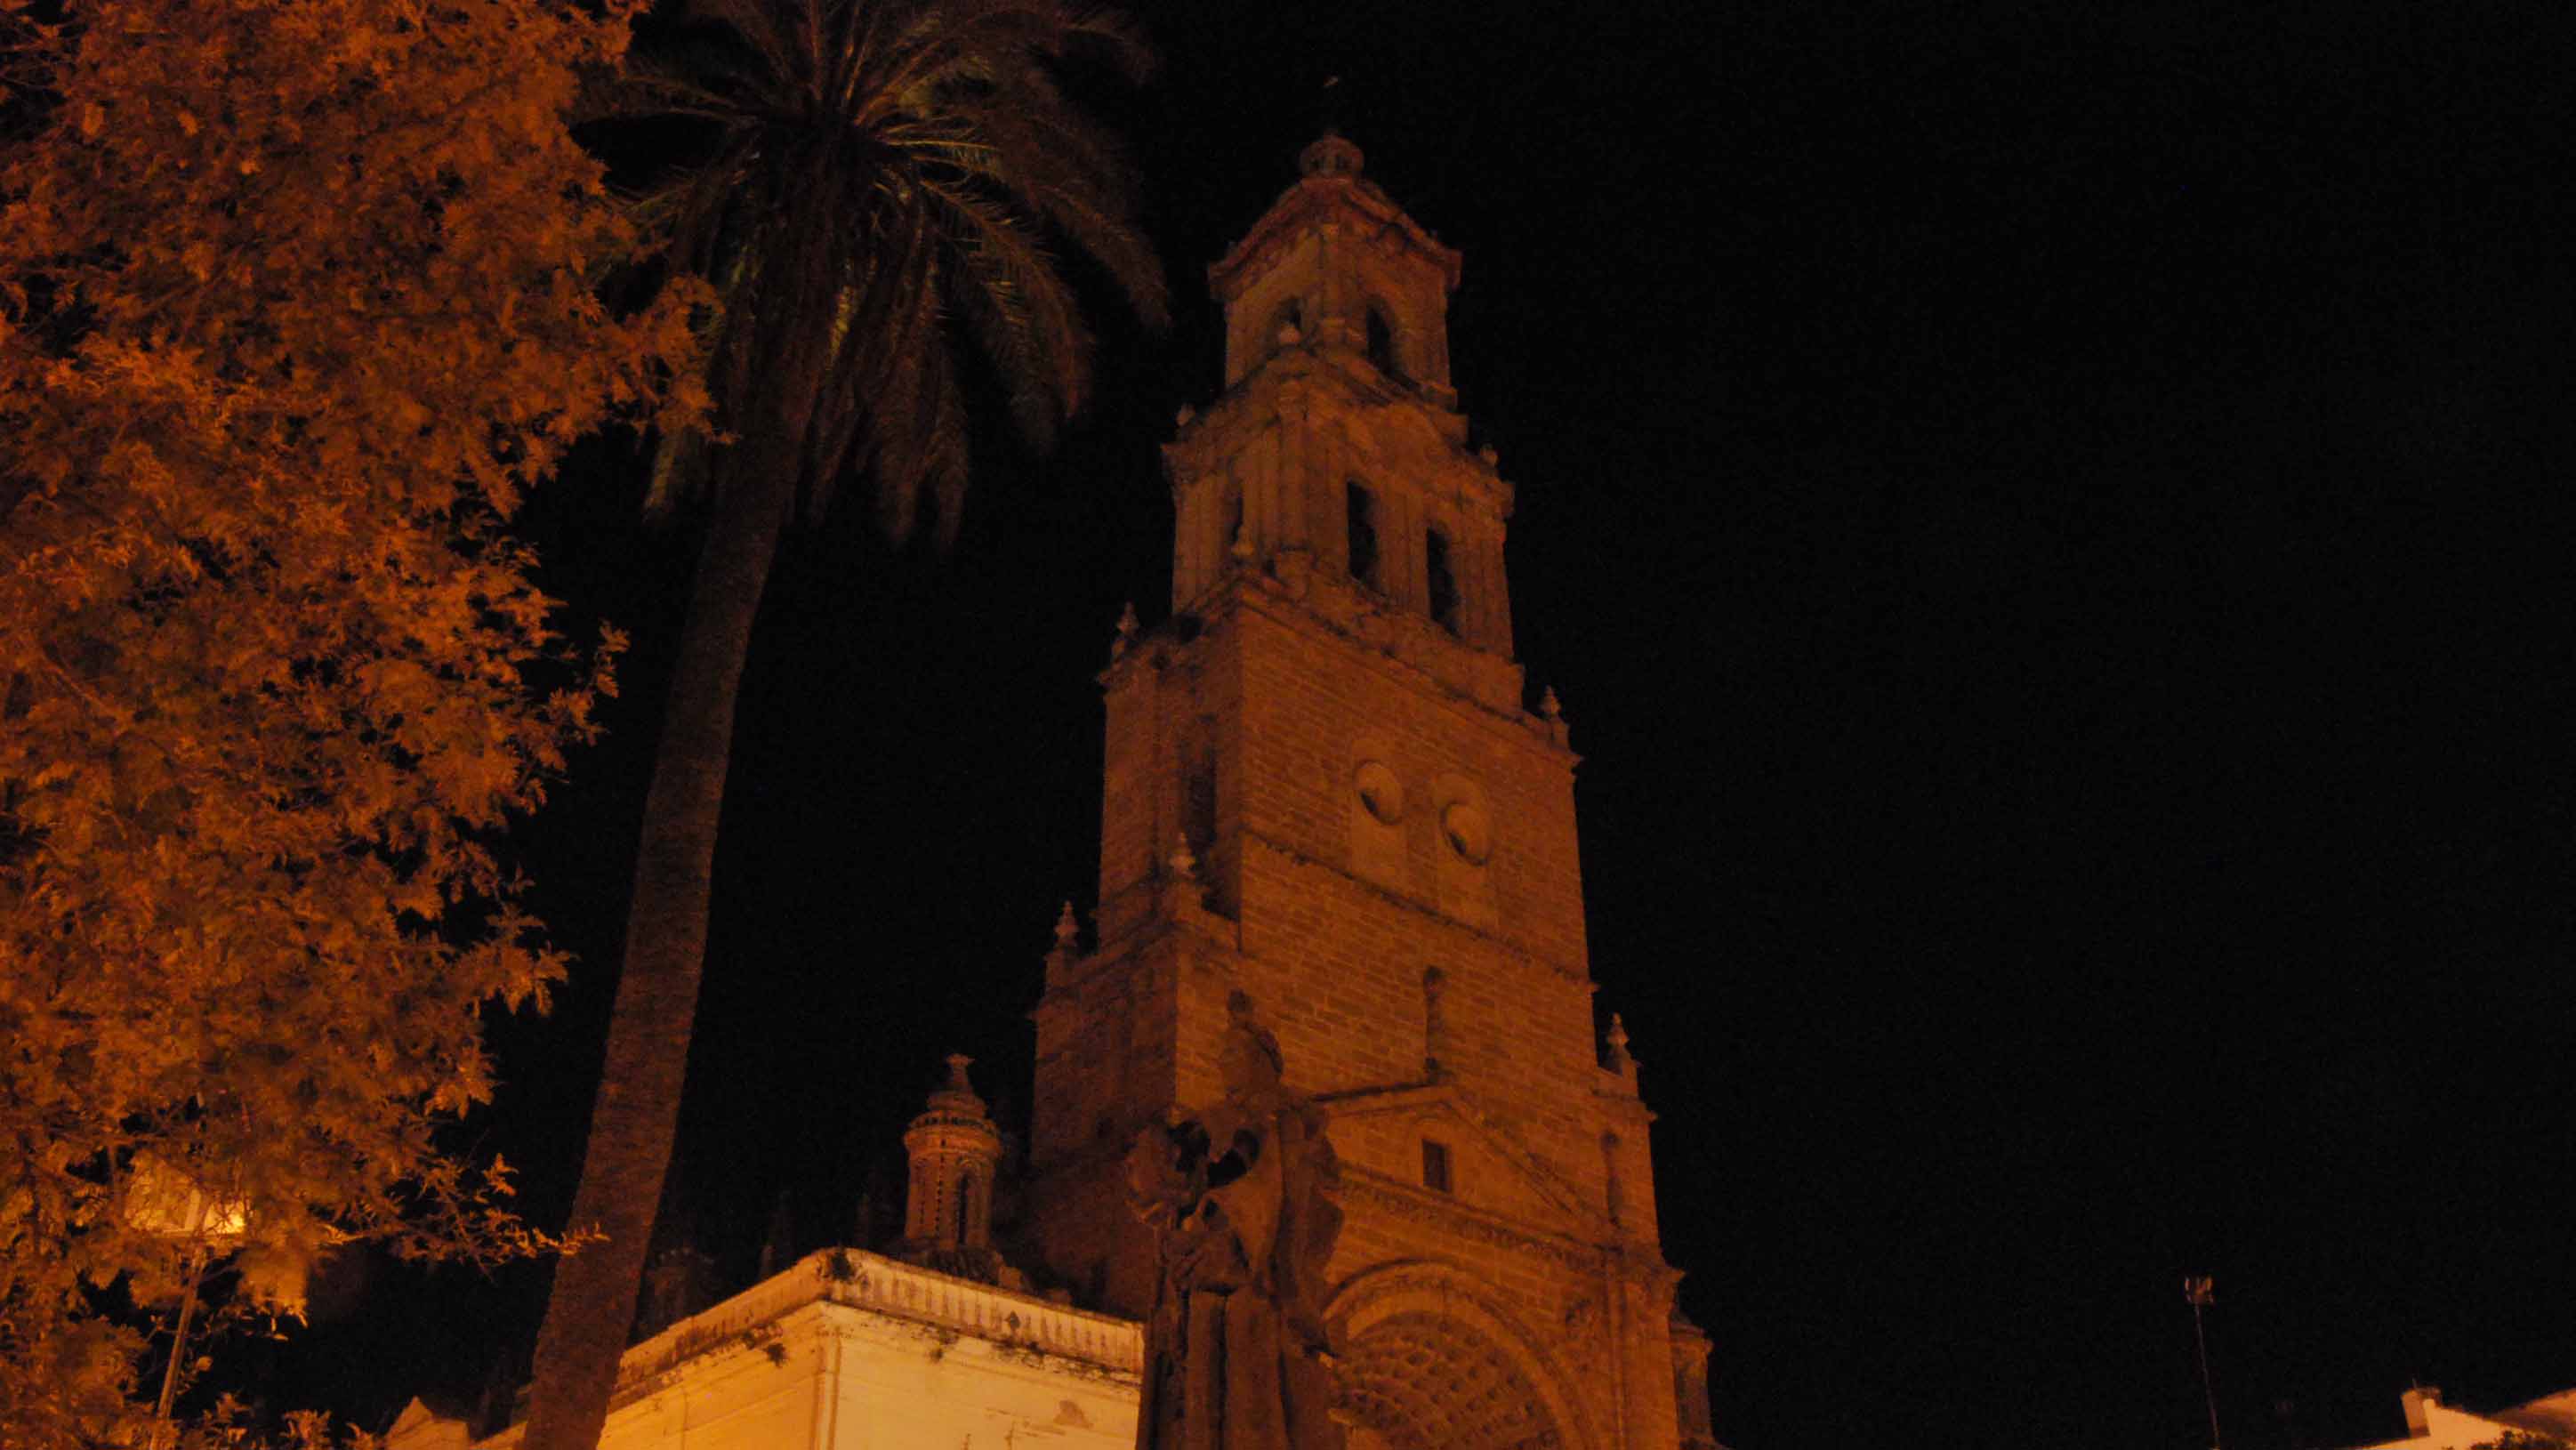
x=2037, y=517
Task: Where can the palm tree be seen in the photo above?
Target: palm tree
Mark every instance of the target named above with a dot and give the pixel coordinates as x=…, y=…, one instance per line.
x=874, y=169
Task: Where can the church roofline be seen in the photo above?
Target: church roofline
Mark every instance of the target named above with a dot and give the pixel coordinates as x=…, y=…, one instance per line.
x=858, y=1279
x=869, y=1283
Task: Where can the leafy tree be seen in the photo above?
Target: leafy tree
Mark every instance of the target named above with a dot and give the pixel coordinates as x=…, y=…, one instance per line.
x=873, y=169
x=293, y=307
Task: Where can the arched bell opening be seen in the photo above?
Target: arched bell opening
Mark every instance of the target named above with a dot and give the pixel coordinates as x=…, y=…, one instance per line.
x=1383, y=352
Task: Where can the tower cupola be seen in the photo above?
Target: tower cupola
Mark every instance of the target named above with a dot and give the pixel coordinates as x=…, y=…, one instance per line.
x=1336, y=266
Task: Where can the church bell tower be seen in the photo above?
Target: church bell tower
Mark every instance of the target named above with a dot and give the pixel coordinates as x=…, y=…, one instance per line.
x=1324, y=789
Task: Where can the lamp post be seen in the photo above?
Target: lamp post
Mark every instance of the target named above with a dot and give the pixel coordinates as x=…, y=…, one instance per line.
x=169, y=1203
x=2197, y=1289
x=179, y=1342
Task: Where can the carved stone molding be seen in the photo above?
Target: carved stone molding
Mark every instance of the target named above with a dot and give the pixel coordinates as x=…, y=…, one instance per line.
x=1393, y=1195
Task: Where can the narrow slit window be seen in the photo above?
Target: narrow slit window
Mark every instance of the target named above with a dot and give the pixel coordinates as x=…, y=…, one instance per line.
x=1361, y=508
x=1443, y=579
x=1435, y=1165
x=1198, y=799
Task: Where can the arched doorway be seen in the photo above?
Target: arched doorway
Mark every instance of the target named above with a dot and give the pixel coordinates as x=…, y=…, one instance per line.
x=1421, y=1381
x=1428, y=1362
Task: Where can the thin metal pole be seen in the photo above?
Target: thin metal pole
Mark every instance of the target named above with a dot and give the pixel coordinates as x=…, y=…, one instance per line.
x=179, y=1342
x=2201, y=1338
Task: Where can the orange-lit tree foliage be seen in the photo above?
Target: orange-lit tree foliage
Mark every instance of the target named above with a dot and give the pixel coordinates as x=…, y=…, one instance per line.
x=294, y=305
x=879, y=177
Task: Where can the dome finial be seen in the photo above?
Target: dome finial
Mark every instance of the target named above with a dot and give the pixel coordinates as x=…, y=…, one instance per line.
x=1329, y=155
x=957, y=1095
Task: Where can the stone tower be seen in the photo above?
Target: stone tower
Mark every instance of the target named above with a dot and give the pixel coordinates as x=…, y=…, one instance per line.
x=1323, y=789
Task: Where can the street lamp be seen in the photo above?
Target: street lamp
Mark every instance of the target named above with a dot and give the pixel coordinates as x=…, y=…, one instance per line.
x=169, y=1203
x=2197, y=1289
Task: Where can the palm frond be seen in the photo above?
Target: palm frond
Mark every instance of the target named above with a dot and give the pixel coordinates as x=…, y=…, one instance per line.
x=756, y=23
x=949, y=40
x=887, y=178
x=1111, y=36
x=1090, y=201
x=1020, y=310
x=1127, y=258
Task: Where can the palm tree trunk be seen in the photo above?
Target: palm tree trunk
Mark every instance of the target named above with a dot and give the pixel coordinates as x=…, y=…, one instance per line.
x=636, y=1114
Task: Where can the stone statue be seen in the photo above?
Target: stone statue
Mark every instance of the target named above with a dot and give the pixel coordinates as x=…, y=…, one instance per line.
x=1242, y=1203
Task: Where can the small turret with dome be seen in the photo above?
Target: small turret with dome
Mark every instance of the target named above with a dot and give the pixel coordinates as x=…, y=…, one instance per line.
x=955, y=1151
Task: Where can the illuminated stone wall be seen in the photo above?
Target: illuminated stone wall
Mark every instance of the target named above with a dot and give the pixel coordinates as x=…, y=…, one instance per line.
x=1324, y=789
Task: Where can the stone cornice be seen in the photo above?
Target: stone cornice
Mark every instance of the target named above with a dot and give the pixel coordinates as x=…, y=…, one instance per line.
x=1388, y=1097
x=1315, y=199
x=1404, y=1200
x=1275, y=596
x=856, y=1279
x=1012, y=1320
x=1223, y=934
x=1465, y=1106
x=1264, y=594
x=1272, y=392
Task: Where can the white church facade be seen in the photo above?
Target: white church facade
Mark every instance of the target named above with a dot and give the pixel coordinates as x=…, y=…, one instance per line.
x=848, y=1350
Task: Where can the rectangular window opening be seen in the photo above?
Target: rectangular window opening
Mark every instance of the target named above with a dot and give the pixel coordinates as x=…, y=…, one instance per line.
x=1435, y=1165
x=1443, y=580
x=1362, y=513
x=1198, y=790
